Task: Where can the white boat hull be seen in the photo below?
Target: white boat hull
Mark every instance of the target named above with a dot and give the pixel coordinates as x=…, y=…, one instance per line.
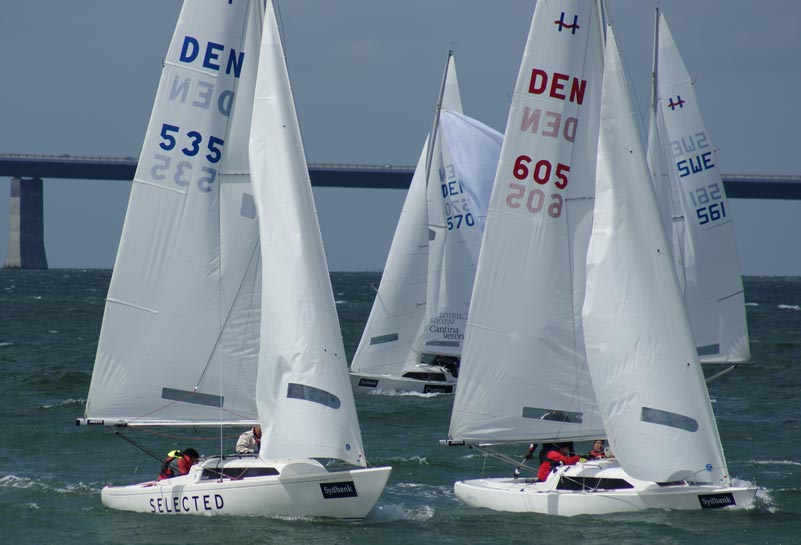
x=444, y=383
x=387, y=383
x=551, y=498
x=302, y=488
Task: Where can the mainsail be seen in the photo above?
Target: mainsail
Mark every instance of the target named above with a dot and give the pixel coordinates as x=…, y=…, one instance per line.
x=180, y=334
x=524, y=374
x=685, y=169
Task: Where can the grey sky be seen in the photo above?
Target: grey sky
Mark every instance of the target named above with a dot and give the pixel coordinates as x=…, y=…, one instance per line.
x=79, y=77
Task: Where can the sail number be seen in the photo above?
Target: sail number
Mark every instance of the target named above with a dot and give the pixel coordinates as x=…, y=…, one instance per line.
x=709, y=203
x=193, y=143
x=694, y=165
x=457, y=209
x=535, y=198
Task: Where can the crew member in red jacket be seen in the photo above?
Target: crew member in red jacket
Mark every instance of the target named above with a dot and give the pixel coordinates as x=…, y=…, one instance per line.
x=560, y=455
x=186, y=459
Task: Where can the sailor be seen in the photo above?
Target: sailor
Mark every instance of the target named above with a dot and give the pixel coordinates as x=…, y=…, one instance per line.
x=186, y=459
x=598, y=451
x=249, y=441
x=557, y=456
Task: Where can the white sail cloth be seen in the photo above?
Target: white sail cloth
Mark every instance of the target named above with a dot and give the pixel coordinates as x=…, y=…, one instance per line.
x=304, y=397
x=703, y=232
x=645, y=371
x=524, y=374
x=179, y=340
x=424, y=295
x=466, y=157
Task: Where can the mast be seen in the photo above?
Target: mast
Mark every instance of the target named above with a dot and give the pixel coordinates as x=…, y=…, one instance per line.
x=437, y=109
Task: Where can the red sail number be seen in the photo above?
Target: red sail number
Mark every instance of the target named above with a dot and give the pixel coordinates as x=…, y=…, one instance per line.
x=541, y=172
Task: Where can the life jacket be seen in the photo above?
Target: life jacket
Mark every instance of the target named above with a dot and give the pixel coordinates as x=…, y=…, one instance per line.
x=166, y=470
x=596, y=454
x=554, y=459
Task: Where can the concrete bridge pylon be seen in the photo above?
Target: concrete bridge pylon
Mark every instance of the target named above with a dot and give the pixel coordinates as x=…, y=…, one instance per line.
x=26, y=249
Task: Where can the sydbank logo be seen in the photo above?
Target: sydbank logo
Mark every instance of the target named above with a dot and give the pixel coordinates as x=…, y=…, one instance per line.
x=345, y=489
x=716, y=501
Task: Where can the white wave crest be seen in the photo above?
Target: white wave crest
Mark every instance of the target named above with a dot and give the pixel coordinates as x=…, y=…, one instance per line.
x=774, y=463
x=790, y=307
x=752, y=304
x=7, y=344
x=419, y=460
x=424, y=491
x=65, y=403
x=393, y=512
x=14, y=481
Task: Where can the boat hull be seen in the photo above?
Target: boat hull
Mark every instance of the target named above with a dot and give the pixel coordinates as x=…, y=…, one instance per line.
x=527, y=496
x=366, y=383
x=301, y=488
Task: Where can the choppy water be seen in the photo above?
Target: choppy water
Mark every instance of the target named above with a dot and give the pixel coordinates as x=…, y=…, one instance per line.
x=51, y=471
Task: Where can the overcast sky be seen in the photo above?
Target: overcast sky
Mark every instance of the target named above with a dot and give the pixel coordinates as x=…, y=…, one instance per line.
x=79, y=77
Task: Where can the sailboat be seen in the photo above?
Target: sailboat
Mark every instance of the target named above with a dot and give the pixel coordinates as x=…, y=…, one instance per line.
x=698, y=216
x=220, y=310
x=647, y=393
x=412, y=341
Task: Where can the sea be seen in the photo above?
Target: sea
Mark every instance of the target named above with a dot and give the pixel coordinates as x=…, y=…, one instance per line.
x=51, y=471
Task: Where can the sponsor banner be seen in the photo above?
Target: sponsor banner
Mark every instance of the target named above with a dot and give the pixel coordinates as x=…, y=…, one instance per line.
x=344, y=489
x=716, y=501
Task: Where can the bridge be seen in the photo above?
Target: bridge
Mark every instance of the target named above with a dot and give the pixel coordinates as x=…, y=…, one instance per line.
x=26, y=231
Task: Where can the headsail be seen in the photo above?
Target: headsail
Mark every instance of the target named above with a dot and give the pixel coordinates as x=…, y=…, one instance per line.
x=179, y=340
x=643, y=362
x=703, y=232
x=303, y=379
x=524, y=375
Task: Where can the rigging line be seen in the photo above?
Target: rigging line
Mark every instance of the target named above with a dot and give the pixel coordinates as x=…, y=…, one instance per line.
x=227, y=316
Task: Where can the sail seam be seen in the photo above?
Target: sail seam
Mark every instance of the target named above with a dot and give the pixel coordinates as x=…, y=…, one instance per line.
x=160, y=186
x=132, y=305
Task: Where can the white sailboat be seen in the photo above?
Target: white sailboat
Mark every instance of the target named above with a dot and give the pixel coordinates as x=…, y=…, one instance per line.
x=412, y=341
x=693, y=199
x=220, y=309
x=646, y=376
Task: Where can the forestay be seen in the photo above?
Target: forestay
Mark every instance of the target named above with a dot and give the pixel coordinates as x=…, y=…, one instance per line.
x=524, y=374
x=304, y=397
x=645, y=371
x=703, y=231
x=179, y=339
